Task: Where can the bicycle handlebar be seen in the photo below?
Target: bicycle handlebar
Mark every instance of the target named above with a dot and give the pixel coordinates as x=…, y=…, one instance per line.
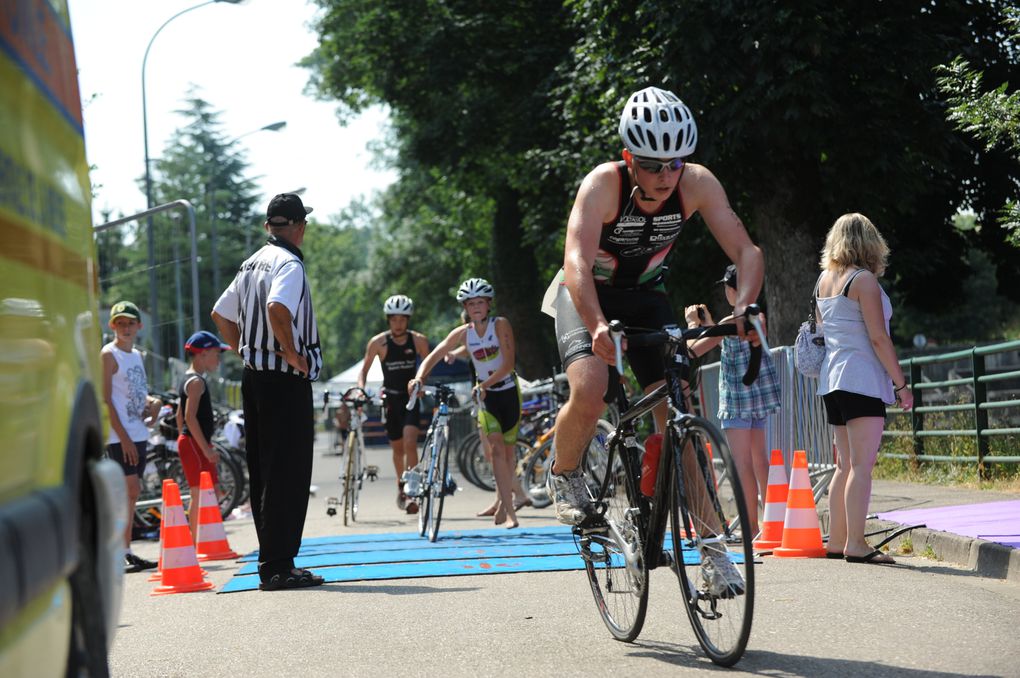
x=357, y=401
x=442, y=391
x=676, y=335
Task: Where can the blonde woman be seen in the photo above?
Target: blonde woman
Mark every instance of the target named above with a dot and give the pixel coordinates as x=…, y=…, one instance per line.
x=860, y=375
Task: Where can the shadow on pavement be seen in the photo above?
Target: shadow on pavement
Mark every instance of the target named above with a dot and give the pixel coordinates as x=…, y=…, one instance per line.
x=394, y=589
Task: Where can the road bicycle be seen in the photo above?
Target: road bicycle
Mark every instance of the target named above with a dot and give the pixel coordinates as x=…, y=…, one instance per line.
x=430, y=482
x=354, y=470
x=624, y=538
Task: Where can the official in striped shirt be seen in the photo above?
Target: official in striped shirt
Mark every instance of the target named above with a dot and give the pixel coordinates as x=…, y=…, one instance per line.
x=266, y=313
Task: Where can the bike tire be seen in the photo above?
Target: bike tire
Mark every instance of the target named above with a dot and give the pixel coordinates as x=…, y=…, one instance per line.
x=230, y=479
x=424, y=499
x=469, y=443
x=707, y=511
x=348, y=477
x=437, y=486
x=357, y=477
x=596, y=456
x=535, y=474
x=620, y=592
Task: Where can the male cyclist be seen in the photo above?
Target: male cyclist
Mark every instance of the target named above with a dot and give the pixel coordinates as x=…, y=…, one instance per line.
x=624, y=222
x=398, y=350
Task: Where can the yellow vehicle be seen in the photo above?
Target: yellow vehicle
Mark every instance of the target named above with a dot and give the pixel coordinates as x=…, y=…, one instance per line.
x=62, y=506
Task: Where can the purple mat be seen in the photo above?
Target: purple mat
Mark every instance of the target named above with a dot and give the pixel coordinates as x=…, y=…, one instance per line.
x=997, y=521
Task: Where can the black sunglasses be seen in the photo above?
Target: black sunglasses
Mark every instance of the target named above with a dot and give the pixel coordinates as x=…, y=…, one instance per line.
x=657, y=166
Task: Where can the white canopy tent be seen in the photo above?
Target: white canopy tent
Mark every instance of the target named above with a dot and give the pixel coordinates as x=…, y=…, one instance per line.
x=349, y=378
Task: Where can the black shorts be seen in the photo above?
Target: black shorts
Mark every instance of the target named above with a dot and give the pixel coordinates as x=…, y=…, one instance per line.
x=115, y=452
x=842, y=406
x=636, y=308
x=501, y=413
x=398, y=416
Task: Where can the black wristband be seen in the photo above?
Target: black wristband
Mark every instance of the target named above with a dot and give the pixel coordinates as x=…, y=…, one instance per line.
x=897, y=390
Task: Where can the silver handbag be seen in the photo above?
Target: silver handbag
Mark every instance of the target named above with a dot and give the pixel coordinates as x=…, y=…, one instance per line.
x=809, y=347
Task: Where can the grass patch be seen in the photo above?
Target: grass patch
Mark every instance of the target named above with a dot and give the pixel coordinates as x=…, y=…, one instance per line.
x=929, y=553
x=906, y=545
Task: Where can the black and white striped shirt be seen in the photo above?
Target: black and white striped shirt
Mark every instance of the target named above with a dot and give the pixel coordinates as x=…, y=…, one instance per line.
x=274, y=273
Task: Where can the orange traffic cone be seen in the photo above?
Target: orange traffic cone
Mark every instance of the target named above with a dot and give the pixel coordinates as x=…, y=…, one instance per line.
x=802, y=537
x=181, y=573
x=775, y=505
x=158, y=574
x=211, y=541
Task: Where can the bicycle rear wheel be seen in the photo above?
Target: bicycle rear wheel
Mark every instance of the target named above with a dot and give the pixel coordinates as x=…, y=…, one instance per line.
x=437, y=486
x=535, y=474
x=707, y=512
x=614, y=555
x=230, y=479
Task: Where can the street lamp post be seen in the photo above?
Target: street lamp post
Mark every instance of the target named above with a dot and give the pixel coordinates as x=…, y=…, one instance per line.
x=213, y=251
x=153, y=295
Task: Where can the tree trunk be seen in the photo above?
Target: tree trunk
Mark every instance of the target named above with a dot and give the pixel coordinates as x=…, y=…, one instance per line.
x=518, y=288
x=791, y=268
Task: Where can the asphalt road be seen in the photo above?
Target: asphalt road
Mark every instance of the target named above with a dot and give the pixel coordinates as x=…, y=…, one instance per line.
x=813, y=617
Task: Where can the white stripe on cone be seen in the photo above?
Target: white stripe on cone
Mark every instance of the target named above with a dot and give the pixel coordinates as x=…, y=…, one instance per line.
x=801, y=519
x=179, y=556
x=775, y=512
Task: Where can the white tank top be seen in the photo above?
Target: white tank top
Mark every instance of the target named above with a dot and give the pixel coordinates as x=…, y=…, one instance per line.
x=128, y=391
x=486, y=356
x=850, y=362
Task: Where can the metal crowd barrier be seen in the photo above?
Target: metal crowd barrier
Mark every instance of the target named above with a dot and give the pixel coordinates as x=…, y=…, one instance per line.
x=798, y=425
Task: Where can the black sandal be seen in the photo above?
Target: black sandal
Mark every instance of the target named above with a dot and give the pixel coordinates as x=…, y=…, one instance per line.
x=870, y=559
x=295, y=579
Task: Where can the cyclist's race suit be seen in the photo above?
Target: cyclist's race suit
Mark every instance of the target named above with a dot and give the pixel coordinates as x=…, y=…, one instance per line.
x=501, y=410
x=398, y=367
x=628, y=273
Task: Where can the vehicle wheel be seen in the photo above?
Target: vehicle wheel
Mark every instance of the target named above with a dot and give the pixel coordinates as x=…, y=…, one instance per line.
x=88, y=647
x=438, y=486
x=707, y=513
x=620, y=591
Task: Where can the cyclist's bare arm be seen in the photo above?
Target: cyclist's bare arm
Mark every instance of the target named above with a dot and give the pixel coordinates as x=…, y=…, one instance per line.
x=374, y=348
x=704, y=194
x=595, y=205
x=438, y=353
x=421, y=344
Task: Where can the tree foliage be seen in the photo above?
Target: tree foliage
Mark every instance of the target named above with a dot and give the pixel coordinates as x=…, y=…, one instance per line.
x=992, y=116
x=805, y=113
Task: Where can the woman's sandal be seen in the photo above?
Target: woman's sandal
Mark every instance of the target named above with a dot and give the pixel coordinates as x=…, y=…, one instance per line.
x=834, y=555
x=870, y=559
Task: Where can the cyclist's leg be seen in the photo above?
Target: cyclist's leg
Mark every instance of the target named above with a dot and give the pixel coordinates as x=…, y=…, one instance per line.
x=410, y=457
x=395, y=434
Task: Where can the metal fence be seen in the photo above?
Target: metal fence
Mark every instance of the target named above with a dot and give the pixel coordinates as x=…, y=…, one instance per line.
x=982, y=383
x=798, y=425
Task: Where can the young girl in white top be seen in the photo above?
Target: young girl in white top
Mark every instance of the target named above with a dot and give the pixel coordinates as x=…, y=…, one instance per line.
x=859, y=376
x=490, y=344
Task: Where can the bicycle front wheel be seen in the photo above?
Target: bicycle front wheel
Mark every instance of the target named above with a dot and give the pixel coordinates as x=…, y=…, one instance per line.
x=437, y=488
x=708, y=513
x=357, y=476
x=614, y=555
x=424, y=497
x=349, y=479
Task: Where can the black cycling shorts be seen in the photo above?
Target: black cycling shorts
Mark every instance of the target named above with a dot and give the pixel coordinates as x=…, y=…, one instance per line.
x=649, y=309
x=842, y=406
x=398, y=416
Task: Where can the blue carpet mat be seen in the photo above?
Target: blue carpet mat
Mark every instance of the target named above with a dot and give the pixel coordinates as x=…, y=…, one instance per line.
x=373, y=557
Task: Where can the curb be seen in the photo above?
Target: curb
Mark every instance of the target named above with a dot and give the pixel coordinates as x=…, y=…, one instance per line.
x=985, y=558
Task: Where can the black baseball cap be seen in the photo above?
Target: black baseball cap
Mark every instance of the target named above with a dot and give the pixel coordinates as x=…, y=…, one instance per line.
x=730, y=276
x=286, y=208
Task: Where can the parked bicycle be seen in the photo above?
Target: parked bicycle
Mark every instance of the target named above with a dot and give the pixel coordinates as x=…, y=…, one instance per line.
x=354, y=470
x=624, y=540
x=430, y=482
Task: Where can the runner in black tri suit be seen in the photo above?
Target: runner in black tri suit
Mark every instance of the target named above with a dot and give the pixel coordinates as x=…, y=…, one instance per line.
x=399, y=351
x=625, y=220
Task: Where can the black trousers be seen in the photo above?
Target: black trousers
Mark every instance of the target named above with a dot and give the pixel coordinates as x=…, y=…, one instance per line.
x=279, y=424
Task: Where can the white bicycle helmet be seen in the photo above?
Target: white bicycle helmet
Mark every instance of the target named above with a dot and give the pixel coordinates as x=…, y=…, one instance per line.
x=398, y=304
x=656, y=124
x=473, y=288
